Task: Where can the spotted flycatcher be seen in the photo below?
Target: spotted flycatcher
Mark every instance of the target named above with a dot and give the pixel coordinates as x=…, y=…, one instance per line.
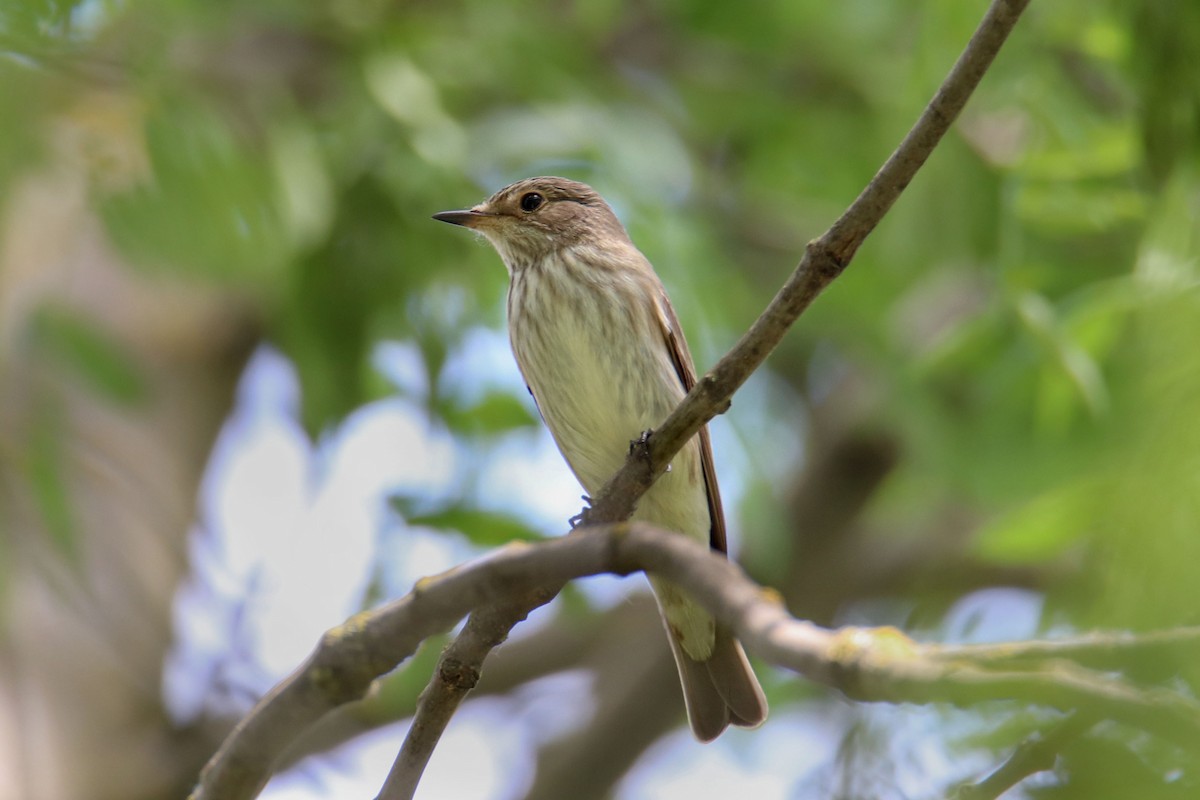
x=605, y=359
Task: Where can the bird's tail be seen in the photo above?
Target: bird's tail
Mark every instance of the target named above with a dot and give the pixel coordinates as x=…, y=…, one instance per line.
x=720, y=690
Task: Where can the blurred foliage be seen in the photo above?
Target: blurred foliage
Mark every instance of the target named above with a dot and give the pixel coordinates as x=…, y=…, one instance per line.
x=1025, y=320
x=482, y=526
x=47, y=477
x=88, y=352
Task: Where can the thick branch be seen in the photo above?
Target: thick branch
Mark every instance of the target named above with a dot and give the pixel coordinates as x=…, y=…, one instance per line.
x=350, y=657
x=864, y=664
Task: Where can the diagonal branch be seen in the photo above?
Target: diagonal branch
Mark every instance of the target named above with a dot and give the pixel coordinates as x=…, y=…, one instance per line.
x=457, y=673
x=824, y=259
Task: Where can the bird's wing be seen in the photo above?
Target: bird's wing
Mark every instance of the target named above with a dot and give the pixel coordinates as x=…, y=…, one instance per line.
x=682, y=359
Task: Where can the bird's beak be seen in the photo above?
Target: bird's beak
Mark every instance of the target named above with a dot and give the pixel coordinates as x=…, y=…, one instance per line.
x=468, y=218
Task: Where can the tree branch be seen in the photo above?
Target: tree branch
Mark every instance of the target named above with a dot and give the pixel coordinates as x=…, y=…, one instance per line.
x=864, y=664
x=350, y=657
x=824, y=259
x=635, y=701
x=457, y=674
x=1098, y=650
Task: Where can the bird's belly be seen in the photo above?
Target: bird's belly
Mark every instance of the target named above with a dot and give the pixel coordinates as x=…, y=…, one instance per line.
x=598, y=388
x=595, y=398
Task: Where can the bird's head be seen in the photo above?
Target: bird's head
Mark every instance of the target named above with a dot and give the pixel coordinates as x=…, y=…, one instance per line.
x=536, y=217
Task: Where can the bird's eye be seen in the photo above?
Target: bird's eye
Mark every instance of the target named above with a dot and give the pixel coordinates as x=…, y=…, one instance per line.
x=531, y=201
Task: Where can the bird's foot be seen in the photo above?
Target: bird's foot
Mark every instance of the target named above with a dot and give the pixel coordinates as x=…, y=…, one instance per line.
x=581, y=518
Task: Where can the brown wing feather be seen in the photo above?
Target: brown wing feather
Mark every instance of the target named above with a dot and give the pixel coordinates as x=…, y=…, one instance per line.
x=677, y=347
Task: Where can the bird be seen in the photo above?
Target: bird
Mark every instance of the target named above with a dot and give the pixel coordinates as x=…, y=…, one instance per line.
x=603, y=354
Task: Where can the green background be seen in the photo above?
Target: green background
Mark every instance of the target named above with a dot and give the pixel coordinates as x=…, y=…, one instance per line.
x=1003, y=390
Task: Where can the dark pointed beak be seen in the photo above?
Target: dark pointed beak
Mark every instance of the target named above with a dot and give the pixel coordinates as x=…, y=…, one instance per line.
x=468, y=218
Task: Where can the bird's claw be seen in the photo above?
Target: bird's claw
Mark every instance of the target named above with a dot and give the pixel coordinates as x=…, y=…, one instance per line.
x=581, y=517
x=640, y=446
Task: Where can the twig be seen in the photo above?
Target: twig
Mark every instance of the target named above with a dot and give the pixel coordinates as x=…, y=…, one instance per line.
x=824, y=260
x=457, y=673
x=636, y=702
x=552, y=649
x=865, y=664
x=1036, y=754
x=1101, y=650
